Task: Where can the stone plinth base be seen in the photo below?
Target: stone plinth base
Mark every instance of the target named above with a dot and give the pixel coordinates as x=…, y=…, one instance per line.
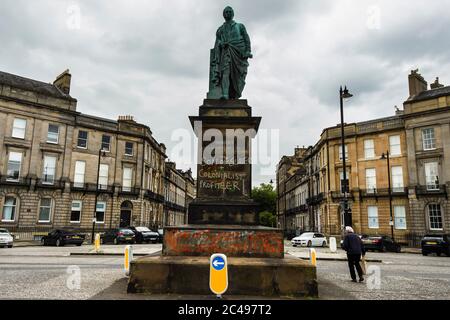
x=233, y=241
x=246, y=276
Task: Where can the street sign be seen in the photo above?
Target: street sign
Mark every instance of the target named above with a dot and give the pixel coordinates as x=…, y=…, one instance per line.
x=218, y=274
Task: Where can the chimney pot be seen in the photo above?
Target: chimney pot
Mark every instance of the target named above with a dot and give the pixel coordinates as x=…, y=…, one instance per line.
x=436, y=84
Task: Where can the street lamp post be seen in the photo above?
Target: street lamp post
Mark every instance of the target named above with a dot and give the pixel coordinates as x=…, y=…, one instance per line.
x=385, y=156
x=101, y=153
x=344, y=94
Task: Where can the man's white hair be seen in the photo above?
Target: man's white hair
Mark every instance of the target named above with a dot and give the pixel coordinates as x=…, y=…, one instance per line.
x=349, y=230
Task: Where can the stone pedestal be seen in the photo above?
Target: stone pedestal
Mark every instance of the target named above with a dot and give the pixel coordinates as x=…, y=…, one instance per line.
x=233, y=241
x=224, y=219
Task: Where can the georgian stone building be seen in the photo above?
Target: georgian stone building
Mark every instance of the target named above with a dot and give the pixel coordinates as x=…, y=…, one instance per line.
x=62, y=168
x=176, y=186
x=427, y=126
x=418, y=141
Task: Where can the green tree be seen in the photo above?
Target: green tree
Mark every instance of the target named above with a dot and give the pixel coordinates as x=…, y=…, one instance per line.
x=266, y=197
x=267, y=219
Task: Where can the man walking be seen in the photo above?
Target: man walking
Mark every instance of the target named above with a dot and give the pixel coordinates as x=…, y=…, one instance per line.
x=355, y=248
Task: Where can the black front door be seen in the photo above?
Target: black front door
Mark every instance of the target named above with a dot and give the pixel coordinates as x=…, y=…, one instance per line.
x=125, y=218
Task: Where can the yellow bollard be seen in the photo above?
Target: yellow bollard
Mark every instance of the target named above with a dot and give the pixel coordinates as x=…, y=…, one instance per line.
x=97, y=242
x=313, y=256
x=128, y=257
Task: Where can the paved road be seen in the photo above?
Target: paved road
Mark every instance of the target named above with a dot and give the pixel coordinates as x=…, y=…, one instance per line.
x=48, y=273
x=402, y=276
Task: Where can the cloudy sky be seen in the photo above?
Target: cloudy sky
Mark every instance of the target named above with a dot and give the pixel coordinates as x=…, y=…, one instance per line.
x=151, y=58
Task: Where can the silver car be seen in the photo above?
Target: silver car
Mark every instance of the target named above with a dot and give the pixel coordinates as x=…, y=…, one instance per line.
x=6, y=239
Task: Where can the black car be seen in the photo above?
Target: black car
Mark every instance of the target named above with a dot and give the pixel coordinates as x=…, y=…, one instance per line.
x=381, y=244
x=437, y=243
x=61, y=237
x=144, y=234
x=118, y=235
x=361, y=236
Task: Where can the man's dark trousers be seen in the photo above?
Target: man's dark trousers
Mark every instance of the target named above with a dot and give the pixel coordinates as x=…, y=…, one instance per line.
x=353, y=262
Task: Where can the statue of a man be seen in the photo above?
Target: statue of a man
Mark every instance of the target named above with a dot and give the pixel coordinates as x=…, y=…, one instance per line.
x=229, y=59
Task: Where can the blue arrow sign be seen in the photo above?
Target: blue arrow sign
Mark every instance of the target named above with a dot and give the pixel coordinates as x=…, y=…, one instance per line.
x=218, y=263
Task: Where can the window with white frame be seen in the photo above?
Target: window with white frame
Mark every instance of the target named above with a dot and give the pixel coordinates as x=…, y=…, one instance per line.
x=371, y=180
x=340, y=152
x=103, y=177
x=80, y=167
x=53, y=134
x=127, y=179
x=19, y=127
x=82, y=140
x=394, y=146
x=45, y=209
x=9, y=209
x=100, y=212
x=435, y=216
x=49, y=170
x=129, y=148
x=397, y=179
x=106, y=143
x=432, y=175
x=75, y=213
x=372, y=212
x=400, y=217
x=369, y=149
x=429, y=139
x=14, y=166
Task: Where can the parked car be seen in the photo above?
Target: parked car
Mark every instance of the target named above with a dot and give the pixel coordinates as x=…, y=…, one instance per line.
x=361, y=236
x=118, y=235
x=144, y=234
x=381, y=244
x=161, y=235
x=437, y=243
x=6, y=239
x=61, y=237
x=310, y=239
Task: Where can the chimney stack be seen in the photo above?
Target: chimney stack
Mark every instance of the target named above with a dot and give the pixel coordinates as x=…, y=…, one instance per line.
x=126, y=118
x=63, y=81
x=417, y=83
x=436, y=84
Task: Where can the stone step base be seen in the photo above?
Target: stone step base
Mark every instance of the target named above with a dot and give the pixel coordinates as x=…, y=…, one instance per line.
x=288, y=277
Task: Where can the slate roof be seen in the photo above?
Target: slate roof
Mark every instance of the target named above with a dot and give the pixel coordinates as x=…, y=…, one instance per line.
x=431, y=94
x=32, y=85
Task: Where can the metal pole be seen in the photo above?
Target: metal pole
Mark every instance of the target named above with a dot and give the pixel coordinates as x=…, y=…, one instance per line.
x=347, y=217
x=390, y=196
x=96, y=195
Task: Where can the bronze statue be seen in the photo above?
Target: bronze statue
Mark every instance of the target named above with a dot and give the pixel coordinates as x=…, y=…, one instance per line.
x=229, y=59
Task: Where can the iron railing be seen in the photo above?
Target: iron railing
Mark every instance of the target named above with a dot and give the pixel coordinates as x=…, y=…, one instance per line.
x=440, y=190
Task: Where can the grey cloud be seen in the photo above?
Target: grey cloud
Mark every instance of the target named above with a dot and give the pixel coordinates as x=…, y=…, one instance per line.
x=151, y=58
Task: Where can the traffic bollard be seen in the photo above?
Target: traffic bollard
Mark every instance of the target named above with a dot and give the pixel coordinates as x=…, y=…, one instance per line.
x=97, y=242
x=128, y=257
x=312, y=256
x=333, y=245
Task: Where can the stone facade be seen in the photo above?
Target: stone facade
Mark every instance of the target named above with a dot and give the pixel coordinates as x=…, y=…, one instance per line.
x=178, y=186
x=427, y=125
x=51, y=154
x=309, y=182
